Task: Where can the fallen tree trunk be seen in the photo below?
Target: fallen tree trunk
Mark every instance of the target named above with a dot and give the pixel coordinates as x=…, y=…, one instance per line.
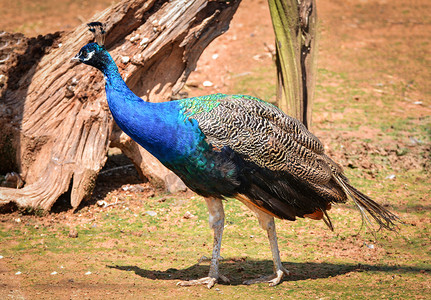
x=55, y=125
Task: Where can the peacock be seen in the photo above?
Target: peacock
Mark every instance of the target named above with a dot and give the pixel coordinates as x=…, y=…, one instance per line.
x=234, y=146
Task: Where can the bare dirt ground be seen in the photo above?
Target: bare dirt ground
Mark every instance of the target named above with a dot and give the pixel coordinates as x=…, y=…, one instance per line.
x=372, y=111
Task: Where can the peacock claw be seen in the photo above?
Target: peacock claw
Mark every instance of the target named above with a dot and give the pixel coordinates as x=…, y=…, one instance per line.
x=272, y=279
x=208, y=281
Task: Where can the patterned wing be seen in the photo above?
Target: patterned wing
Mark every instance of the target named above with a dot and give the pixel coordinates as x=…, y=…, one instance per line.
x=264, y=135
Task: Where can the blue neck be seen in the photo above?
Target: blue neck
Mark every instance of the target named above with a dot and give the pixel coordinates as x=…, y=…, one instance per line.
x=158, y=127
x=115, y=84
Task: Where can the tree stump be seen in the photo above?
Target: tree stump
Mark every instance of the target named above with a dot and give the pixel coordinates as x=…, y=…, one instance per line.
x=55, y=124
x=295, y=25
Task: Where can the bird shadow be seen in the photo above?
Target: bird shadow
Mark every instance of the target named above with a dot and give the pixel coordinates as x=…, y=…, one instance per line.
x=239, y=270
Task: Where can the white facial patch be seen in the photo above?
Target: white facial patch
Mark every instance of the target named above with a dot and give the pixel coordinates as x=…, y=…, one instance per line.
x=89, y=56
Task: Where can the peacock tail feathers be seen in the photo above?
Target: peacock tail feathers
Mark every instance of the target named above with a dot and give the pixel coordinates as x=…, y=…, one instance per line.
x=383, y=217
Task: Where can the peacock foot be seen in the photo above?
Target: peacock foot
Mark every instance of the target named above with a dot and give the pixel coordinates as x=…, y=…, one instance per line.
x=272, y=279
x=208, y=281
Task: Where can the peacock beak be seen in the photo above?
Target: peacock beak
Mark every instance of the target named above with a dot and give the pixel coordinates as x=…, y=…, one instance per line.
x=75, y=59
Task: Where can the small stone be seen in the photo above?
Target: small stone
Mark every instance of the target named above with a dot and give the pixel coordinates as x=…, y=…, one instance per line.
x=371, y=246
x=88, y=273
x=18, y=273
x=73, y=233
x=54, y=273
x=101, y=203
x=137, y=57
x=125, y=59
x=18, y=220
x=188, y=215
x=390, y=177
x=144, y=41
x=134, y=38
x=207, y=83
x=1, y=256
x=214, y=56
x=151, y=213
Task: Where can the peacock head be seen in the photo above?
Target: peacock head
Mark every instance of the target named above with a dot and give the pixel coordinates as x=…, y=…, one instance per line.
x=95, y=54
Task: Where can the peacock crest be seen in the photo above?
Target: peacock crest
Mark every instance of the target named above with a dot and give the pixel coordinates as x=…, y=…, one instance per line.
x=98, y=29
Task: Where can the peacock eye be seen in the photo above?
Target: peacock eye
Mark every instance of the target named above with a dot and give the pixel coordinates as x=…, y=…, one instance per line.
x=86, y=55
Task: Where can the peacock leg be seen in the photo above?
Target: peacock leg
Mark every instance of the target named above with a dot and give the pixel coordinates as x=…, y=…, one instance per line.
x=266, y=221
x=216, y=221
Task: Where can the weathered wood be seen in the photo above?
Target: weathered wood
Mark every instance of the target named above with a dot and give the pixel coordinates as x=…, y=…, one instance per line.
x=54, y=118
x=295, y=32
